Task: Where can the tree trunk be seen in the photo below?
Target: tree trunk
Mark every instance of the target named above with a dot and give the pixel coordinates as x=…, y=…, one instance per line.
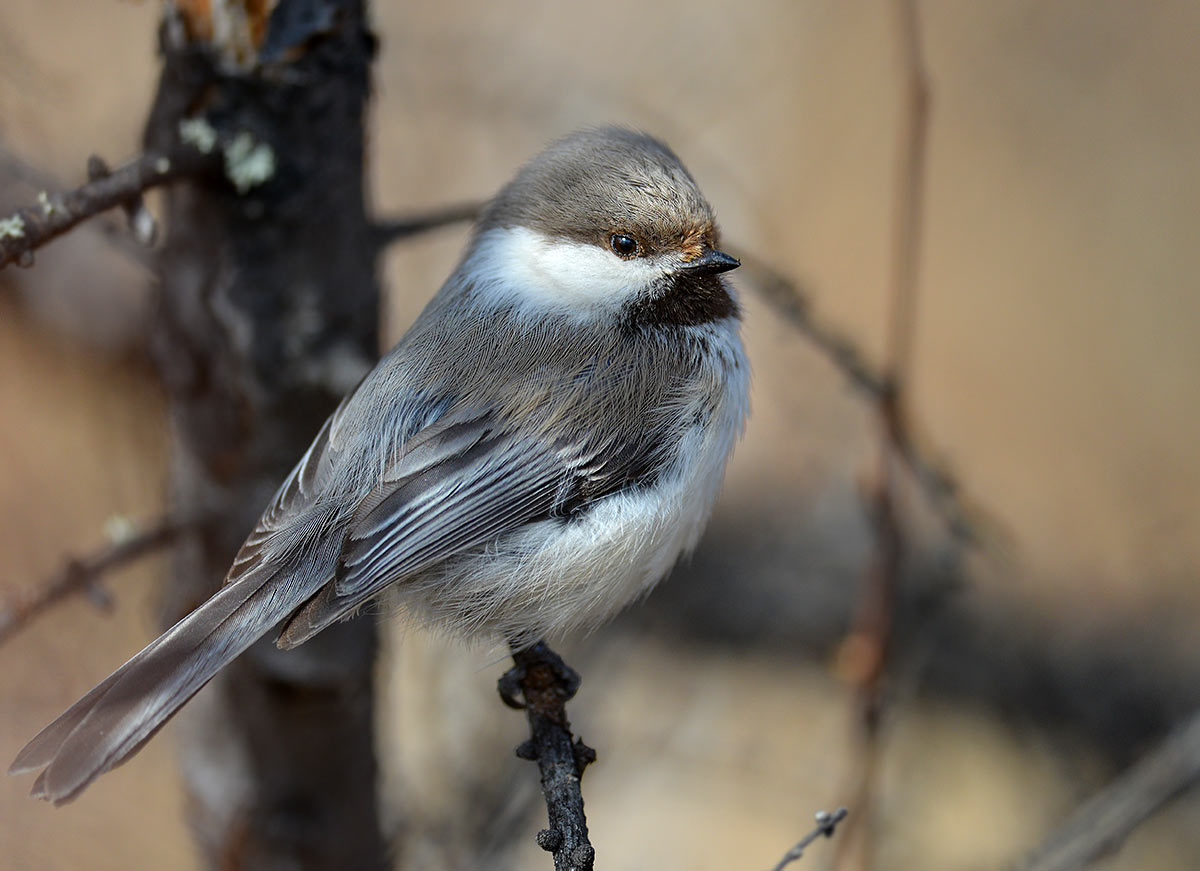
x=267, y=316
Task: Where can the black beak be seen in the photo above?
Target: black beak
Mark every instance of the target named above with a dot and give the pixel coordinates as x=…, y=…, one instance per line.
x=711, y=262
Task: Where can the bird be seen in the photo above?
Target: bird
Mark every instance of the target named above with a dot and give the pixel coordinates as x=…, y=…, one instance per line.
x=535, y=452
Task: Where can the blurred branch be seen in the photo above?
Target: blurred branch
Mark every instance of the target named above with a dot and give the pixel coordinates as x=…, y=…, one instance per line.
x=965, y=522
x=826, y=825
x=795, y=306
x=391, y=230
x=865, y=651
x=545, y=684
x=82, y=575
x=1100, y=825
x=15, y=168
x=31, y=227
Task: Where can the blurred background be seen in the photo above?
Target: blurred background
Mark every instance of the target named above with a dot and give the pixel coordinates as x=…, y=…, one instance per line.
x=1055, y=363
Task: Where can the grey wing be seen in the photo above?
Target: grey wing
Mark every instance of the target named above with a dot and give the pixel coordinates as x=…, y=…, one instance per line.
x=461, y=483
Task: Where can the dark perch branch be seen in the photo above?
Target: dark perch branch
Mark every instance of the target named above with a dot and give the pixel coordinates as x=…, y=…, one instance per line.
x=541, y=683
x=867, y=647
x=826, y=825
x=1100, y=825
x=82, y=575
x=31, y=227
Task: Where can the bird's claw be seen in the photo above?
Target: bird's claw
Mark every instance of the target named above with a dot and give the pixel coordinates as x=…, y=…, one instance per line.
x=550, y=668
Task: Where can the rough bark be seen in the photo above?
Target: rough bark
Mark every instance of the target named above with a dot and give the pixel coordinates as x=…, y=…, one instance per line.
x=267, y=315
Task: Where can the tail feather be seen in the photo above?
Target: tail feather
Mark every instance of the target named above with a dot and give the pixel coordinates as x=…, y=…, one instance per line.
x=113, y=721
x=40, y=750
x=44, y=747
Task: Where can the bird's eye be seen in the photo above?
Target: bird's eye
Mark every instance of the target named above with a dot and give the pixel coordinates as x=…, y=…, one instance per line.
x=623, y=246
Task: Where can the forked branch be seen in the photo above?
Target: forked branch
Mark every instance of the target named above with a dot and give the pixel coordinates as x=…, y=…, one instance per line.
x=27, y=229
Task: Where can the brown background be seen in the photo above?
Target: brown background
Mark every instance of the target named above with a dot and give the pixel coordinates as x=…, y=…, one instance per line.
x=1056, y=370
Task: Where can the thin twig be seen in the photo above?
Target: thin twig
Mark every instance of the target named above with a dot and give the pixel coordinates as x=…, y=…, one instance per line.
x=545, y=683
x=31, y=227
x=1100, y=825
x=795, y=306
x=826, y=825
x=15, y=168
x=82, y=574
x=390, y=230
x=866, y=650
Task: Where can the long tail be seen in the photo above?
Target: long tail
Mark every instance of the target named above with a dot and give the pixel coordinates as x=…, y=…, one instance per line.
x=114, y=720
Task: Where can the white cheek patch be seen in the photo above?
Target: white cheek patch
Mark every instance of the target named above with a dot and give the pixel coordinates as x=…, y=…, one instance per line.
x=529, y=268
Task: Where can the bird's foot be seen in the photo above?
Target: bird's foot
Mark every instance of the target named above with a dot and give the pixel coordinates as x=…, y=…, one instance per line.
x=537, y=670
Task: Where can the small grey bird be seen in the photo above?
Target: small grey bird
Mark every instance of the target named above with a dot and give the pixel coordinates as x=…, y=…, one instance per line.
x=535, y=452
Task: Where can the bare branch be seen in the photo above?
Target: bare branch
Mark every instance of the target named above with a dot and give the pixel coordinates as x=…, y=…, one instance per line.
x=826, y=825
x=31, y=227
x=545, y=684
x=396, y=229
x=966, y=523
x=795, y=306
x=16, y=169
x=1100, y=825
x=82, y=574
x=141, y=222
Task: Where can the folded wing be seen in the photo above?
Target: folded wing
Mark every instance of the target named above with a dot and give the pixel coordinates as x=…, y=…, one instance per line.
x=462, y=483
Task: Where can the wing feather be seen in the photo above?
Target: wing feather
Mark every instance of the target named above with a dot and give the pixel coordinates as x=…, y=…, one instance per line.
x=463, y=482
x=492, y=484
